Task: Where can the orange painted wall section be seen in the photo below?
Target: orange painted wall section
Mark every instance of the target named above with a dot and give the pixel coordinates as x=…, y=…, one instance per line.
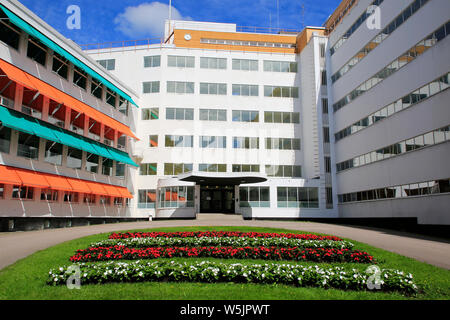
x=304, y=37
x=196, y=35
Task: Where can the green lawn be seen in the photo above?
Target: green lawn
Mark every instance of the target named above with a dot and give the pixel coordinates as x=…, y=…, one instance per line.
x=26, y=279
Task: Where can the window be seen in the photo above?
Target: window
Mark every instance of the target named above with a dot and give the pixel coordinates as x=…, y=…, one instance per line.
x=173, y=169
x=123, y=105
x=74, y=157
x=179, y=141
x=215, y=167
x=245, y=90
x=9, y=33
x=325, y=106
x=49, y=195
x=213, y=114
x=254, y=197
x=213, y=88
x=245, y=116
x=105, y=200
x=322, y=50
x=107, y=167
x=297, y=197
x=92, y=161
x=327, y=164
x=150, y=114
x=281, y=117
x=282, y=143
x=281, y=92
x=245, y=143
x=89, y=198
x=212, y=142
x=5, y=138
x=245, y=167
x=2, y=190
x=152, y=61
x=179, y=114
x=28, y=146
x=280, y=66
x=245, y=64
x=176, y=197
x=324, y=78
x=60, y=65
x=108, y=64
x=213, y=63
x=326, y=134
x=36, y=50
x=181, y=61
x=146, y=199
x=120, y=169
x=286, y=171
x=153, y=141
x=79, y=77
x=53, y=152
x=111, y=97
x=150, y=87
x=23, y=193
x=148, y=169
x=329, y=197
x=180, y=87
x=96, y=89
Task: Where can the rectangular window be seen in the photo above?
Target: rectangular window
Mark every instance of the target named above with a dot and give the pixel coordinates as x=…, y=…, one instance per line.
x=281, y=117
x=322, y=50
x=49, y=195
x=179, y=114
x=326, y=134
x=245, y=90
x=74, y=157
x=53, y=152
x=60, y=65
x=325, y=106
x=36, y=50
x=23, y=193
x=286, y=171
x=150, y=114
x=245, y=64
x=120, y=169
x=89, y=198
x=150, y=87
x=105, y=200
x=2, y=190
x=213, y=63
x=256, y=197
x=213, y=114
x=245, y=143
x=327, y=164
x=280, y=92
x=28, y=146
x=173, y=169
x=79, y=77
x=108, y=64
x=92, y=161
x=176, y=197
x=107, y=167
x=111, y=97
x=179, y=141
x=181, y=61
x=148, y=169
x=5, y=139
x=153, y=141
x=123, y=105
x=282, y=144
x=324, y=78
x=245, y=116
x=213, y=88
x=297, y=197
x=180, y=87
x=152, y=61
x=215, y=167
x=280, y=66
x=9, y=33
x=245, y=167
x=212, y=142
x=146, y=199
x=96, y=89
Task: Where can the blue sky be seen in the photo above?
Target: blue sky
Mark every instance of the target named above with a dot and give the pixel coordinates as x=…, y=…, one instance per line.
x=104, y=21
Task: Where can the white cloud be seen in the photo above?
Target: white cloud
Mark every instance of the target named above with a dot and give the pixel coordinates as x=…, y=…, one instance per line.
x=146, y=19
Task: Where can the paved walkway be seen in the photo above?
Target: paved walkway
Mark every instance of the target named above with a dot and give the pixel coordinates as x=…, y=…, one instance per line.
x=17, y=245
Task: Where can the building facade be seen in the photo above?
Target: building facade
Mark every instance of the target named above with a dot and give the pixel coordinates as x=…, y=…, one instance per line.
x=347, y=120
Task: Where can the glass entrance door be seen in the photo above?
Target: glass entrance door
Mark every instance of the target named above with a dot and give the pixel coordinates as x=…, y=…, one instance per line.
x=217, y=199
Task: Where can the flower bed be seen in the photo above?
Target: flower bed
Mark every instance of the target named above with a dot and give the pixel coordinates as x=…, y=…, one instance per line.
x=209, y=271
x=268, y=253
x=220, y=234
x=223, y=242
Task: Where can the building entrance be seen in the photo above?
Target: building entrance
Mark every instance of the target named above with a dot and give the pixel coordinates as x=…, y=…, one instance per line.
x=216, y=199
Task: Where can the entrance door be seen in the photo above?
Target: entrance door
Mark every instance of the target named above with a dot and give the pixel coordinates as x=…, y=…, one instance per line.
x=217, y=199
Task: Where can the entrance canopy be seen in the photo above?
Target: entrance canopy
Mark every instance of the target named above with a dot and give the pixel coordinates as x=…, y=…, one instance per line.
x=222, y=178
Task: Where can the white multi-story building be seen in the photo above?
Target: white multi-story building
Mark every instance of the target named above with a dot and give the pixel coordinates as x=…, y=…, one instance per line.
x=347, y=120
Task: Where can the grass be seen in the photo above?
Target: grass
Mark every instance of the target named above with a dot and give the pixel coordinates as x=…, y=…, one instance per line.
x=26, y=279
